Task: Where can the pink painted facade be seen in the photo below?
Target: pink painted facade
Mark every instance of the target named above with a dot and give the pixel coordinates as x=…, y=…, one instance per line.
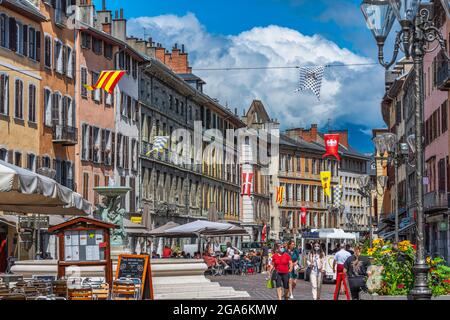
x=95, y=114
x=436, y=121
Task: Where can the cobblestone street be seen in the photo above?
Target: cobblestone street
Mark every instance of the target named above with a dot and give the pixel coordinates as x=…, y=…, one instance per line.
x=255, y=285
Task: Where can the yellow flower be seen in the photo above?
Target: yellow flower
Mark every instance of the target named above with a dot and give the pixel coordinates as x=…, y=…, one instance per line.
x=387, y=251
x=378, y=242
x=371, y=251
x=428, y=260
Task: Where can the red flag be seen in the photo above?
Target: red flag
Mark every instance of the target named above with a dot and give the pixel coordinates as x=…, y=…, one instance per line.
x=247, y=182
x=332, y=146
x=303, y=216
x=264, y=233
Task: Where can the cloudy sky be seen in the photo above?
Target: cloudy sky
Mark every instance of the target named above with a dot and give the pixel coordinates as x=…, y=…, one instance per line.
x=262, y=33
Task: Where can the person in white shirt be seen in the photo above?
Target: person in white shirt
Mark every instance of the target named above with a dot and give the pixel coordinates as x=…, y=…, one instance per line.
x=316, y=261
x=339, y=259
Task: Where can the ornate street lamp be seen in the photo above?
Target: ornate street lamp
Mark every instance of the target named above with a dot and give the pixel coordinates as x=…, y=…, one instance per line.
x=418, y=30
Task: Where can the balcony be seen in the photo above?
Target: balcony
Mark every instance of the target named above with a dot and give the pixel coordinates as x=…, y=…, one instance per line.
x=436, y=201
x=65, y=135
x=306, y=204
x=443, y=75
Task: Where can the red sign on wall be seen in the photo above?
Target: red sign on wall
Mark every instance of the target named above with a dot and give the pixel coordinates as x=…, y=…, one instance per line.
x=332, y=146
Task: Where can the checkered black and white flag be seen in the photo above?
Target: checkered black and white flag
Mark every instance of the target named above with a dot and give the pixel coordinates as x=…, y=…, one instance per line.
x=311, y=78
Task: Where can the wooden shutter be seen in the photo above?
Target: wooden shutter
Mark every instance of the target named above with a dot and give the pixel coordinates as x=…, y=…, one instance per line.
x=25, y=40
x=91, y=143
x=103, y=145
x=38, y=46
x=11, y=156
x=113, y=148
x=12, y=34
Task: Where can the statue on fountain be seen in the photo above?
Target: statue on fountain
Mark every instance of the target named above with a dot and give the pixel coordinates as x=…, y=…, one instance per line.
x=110, y=210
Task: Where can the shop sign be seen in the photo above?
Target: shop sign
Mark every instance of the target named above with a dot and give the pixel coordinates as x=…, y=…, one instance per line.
x=437, y=218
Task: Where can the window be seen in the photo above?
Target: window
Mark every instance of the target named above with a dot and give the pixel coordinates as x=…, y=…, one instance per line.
x=45, y=162
x=32, y=43
x=31, y=162
x=86, y=40
x=108, y=51
x=96, y=94
x=86, y=186
x=96, y=184
x=84, y=81
x=56, y=107
x=70, y=60
x=58, y=57
x=97, y=46
x=18, y=158
x=18, y=106
x=135, y=69
x=48, y=51
x=97, y=142
x=4, y=94
x=4, y=34
x=12, y=28
x=128, y=63
x=47, y=107
x=32, y=103
x=84, y=141
x=3, y=154
x=19, y=37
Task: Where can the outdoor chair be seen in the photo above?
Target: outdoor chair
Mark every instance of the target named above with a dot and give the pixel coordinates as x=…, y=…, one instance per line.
x=101, y=292
x=13, y=296
x=124, y=289
x=83, y=293
x=236, y=267
x=59, y=288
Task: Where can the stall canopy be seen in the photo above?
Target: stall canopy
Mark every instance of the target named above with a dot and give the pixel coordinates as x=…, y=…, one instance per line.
x=24, y=191
x=335, y=234
x=204, y=228
x=158, y=232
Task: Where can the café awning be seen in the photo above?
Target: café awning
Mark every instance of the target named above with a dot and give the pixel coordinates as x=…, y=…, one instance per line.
x=204, y=228
x=24, y=191
x=158, y=232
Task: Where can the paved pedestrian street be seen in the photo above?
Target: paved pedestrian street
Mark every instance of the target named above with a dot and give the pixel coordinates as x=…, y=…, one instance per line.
x=255, y=285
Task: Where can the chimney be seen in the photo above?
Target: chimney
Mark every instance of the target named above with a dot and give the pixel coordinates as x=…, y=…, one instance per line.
x=119, y=27
x=235, y=112
x=313, y=132
x=103, y=5
x=182, y=48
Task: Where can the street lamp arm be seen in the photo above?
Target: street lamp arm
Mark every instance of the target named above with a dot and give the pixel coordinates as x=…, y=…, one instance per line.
x=397, y=46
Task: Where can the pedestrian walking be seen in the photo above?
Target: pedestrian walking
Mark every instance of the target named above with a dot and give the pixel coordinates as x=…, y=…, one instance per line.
x=339, y=259
x=282, y=266
x=316, y=262
x=356, y=270
x=293, y=275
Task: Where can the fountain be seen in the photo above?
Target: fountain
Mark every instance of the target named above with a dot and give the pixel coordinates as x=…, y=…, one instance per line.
x=110, y=211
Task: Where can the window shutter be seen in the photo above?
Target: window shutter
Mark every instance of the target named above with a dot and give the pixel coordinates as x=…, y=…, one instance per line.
x=25, y=40
x=103, y=146
x=38, y=46
x=91, y=143
x=12, y=34
x=113, y=148
x=11, y=156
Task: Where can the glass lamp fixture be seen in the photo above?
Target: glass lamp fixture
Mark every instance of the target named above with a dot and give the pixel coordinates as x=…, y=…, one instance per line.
x=412, y=142
x=379, y=16
x=363, y=181
x=391, y=142
x=380, y=145
x=405, y=11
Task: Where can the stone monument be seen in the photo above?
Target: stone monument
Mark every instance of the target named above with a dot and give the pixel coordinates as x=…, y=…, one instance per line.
x=111, y=212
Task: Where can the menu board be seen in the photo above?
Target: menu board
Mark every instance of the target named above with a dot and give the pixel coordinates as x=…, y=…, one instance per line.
x=136, y=267
x=86, y=245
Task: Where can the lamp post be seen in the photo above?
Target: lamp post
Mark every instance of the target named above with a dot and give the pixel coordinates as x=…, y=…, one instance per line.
x=418, y=30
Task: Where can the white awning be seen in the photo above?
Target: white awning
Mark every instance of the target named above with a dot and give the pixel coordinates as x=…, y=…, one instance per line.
x=24, y=191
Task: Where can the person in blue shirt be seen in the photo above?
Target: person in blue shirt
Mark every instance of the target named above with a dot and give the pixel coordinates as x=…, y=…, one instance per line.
x=293, y=275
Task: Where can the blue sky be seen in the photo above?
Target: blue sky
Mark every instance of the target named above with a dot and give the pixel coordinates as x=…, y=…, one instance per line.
x=265, y=33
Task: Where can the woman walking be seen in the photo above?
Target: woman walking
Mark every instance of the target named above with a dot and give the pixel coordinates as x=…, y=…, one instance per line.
x=293, y=275
x=316, y=261
x=356, y=270
x=282, y=266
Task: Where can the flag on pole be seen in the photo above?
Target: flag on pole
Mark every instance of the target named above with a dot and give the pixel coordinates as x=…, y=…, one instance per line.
x=338, y=196
x=107, y=81
x=311, y=79
x=280, y=195
x=325, y=177
x=159, y=144
x=303, y=216
x=247, y=182
x=331, y=146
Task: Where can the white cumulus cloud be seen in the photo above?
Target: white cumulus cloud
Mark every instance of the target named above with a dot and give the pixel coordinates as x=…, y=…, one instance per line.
x=349, y=94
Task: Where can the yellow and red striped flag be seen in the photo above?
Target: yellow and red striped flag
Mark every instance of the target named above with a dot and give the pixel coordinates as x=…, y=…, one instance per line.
x=280, y=195
x=107, y=81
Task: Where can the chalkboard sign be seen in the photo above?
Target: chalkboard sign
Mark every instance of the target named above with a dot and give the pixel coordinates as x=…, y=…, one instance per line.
x=136, y=267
